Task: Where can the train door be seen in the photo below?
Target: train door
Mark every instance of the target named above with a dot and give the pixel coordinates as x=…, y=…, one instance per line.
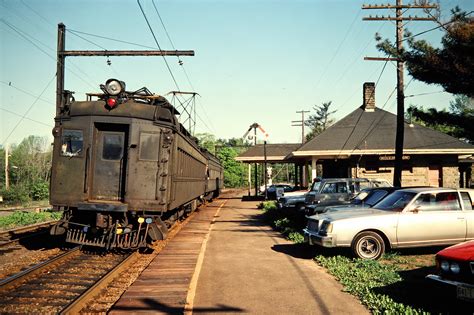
x=109, y=162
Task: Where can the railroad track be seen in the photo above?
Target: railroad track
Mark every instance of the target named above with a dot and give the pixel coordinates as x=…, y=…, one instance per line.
x=61, y=284
x=15, y=235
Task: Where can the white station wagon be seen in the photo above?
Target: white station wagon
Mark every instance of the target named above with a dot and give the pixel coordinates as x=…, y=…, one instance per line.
x=410, y=217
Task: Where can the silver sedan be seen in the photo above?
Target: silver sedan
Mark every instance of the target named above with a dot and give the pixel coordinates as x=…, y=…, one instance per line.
x=406, y=218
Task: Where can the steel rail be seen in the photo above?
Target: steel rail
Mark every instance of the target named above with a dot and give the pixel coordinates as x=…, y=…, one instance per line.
x=27, y=228
x=9, y=282
x=80, y=302
x=24, y=229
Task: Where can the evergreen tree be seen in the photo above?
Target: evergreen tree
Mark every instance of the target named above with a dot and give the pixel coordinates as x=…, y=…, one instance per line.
x=451, y=65
x=319, y=121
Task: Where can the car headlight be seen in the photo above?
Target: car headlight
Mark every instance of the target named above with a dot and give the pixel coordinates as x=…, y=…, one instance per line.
x=444, y=266
x=455, y=268
x=326, y=227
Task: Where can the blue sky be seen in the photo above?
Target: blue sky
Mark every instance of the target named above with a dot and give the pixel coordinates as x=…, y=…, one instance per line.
x=256, y=61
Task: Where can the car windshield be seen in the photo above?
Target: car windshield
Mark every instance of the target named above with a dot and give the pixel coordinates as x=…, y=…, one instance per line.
x=375, y=197
x=360, y=197
x=315, y=186
x=396, y=201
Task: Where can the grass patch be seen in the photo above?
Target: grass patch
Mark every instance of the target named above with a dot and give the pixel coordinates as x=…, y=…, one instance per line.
x=360, y=278
x=22, y=218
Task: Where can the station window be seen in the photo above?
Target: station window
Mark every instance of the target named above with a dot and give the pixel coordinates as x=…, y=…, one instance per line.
x=112, y=146
x=72, y=143
x=149, y=146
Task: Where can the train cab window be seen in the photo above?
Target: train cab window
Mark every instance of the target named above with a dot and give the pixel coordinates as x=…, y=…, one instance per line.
x=149, y=145
x=71, y=143
x=112, y=146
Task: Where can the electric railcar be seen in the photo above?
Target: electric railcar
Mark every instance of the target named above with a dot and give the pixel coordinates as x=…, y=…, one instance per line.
x=124, y=169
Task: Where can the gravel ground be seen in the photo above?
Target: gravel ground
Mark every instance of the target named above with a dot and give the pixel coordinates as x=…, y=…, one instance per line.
x=17, y=258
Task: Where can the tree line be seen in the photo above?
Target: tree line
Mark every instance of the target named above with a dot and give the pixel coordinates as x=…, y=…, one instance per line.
x=29, y=165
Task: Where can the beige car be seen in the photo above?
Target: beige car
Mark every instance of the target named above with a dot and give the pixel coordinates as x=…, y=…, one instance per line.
x=410, y=217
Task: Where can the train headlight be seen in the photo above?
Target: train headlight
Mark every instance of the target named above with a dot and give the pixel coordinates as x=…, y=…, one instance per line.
x=114, y=86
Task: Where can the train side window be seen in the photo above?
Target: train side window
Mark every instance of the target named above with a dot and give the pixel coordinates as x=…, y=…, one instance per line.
x=112, y=146
x=149, y=146
x=72, y=143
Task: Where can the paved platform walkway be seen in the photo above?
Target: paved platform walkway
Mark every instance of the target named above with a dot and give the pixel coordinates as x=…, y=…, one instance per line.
x=250, y=268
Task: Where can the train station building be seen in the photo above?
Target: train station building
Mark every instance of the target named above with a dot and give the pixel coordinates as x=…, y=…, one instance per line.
x=362, y=144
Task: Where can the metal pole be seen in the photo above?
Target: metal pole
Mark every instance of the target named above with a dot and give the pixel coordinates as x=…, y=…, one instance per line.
x=265, y=166
x=397, y=173
x=250, y=177
x=60, y=67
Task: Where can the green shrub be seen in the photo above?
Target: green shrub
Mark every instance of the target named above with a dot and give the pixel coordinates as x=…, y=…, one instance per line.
x=15, y=195
x=360, y=276
x=296, y=237
x=268, y=206
x=39, y=190
x=21, y=218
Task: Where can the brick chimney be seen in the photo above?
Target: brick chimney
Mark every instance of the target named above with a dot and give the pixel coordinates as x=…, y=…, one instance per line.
x=369, y=96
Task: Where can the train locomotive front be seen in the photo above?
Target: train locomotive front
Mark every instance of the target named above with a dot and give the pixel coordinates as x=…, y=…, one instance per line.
x=124, y=169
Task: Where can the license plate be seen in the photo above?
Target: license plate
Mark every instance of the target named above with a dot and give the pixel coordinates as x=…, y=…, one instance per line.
x=465, y=293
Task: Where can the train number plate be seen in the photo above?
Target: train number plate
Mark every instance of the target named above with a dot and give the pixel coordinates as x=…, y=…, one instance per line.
x=465, y=292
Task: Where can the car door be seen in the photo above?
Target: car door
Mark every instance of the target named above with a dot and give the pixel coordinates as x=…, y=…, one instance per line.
x=469, y=213
x=434, y=218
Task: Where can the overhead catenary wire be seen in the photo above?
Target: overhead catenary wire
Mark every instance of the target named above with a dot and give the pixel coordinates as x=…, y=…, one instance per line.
x=180, y=62
x=157, y=44
x=30, y=119
x=337, y=50
x=360, y=116
x=13, y=86
x=437, y=27
x=29, y=109
x=30, y=38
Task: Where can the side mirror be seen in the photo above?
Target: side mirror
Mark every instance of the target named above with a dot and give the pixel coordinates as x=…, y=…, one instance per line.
x=415, y=209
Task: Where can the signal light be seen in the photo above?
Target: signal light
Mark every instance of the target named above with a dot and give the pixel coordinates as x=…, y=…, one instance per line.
x=111, y=102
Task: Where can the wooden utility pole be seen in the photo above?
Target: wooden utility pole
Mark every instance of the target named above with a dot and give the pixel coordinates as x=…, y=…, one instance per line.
x=399, y=18
x=300, y=123
x=7, y=179
x=62, y=54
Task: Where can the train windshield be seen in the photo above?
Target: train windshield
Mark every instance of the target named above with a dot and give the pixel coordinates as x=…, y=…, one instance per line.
x=71, y=142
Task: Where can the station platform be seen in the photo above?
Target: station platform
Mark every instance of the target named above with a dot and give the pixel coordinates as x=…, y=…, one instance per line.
x=226, y=260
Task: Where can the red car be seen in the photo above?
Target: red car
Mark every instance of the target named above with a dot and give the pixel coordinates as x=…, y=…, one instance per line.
x=455, y=266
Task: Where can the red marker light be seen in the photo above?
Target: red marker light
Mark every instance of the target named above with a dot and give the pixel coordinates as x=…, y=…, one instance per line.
x=111, y=102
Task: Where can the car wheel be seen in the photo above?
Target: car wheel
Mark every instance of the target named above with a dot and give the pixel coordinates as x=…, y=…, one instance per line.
x=368, y=245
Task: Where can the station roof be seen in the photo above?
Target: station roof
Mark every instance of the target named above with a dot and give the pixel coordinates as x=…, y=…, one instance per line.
x=373, y=133
x=275, y=153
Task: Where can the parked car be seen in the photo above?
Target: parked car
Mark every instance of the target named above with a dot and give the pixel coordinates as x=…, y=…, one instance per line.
x=455, y=266
x=407, y=217
x=333, y=190
x=367, y=198
x=272, y=190
x=296, y=199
